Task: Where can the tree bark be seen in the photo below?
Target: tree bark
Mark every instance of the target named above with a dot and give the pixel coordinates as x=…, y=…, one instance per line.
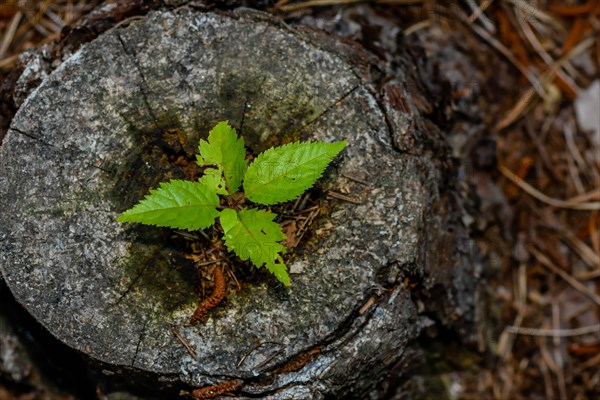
x=89, y=142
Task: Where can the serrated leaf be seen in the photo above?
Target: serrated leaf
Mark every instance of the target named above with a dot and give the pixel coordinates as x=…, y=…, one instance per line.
x=226, y=152
x=283, y=173
x=252, y=234
x=176, y=204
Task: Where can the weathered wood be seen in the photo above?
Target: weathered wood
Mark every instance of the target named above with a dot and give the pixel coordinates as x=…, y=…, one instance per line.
x=86, y=145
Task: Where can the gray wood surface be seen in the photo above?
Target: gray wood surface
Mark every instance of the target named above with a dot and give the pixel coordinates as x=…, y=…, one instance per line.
x=82, y=149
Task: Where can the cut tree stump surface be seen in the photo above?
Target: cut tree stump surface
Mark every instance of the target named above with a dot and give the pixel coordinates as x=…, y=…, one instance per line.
x=86, y=145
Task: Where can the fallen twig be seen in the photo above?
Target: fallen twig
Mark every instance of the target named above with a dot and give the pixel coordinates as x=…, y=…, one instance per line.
x=342, y=197
x=546, y=262
x=584, y=330
x=184, y=342
x=573, y=203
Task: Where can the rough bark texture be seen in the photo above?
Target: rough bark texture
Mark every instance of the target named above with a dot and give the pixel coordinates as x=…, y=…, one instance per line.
x=86, y=145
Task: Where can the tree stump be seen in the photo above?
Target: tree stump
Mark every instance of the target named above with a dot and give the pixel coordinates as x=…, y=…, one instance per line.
x=90, y=141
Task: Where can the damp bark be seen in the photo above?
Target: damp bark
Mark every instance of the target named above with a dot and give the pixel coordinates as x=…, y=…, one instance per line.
x=87, y=144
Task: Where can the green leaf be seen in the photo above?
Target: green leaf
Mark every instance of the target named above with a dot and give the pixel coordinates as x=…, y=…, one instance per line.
x=283, y=173
x=225, y=151
x=176, y=204
x=214, y=179
x=253, y=235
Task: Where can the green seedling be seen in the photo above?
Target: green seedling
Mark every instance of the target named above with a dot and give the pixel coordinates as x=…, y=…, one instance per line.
x=275, y=176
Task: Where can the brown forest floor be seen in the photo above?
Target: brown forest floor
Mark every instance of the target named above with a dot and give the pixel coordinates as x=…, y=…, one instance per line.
x=519, y=75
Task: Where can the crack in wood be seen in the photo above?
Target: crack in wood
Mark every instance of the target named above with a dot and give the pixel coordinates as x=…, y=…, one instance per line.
x=33, y=137
x=246, y=102
x=130, y=287
x=185, y=81
x=140, y=339
x=346, y=331
x=390, y=128
x=72, y=149
x=133, y=56
x=329, y=108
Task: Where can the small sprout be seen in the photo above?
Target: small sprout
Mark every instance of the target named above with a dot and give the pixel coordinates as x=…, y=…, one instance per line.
x=277, y=175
